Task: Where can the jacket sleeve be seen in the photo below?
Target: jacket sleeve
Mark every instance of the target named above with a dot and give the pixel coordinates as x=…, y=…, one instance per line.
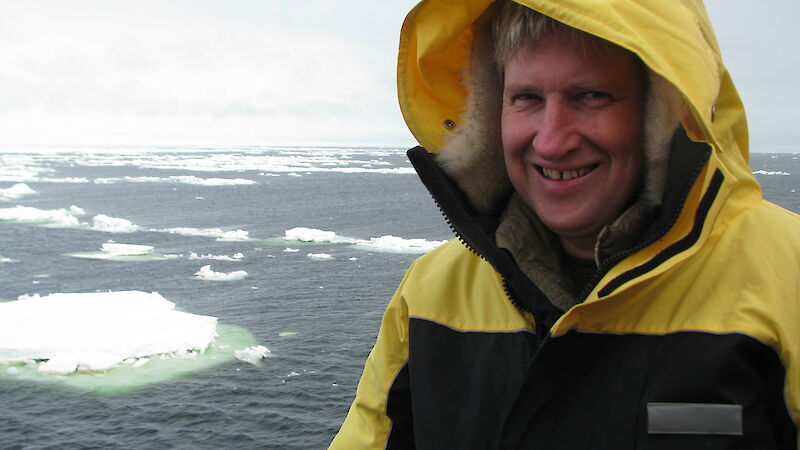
x=380, y=416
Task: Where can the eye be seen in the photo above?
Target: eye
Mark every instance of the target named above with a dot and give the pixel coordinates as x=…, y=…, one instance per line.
x=593, y=99
x=525, y=97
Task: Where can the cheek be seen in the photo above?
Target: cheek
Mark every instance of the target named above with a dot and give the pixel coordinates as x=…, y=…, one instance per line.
x=514, y=134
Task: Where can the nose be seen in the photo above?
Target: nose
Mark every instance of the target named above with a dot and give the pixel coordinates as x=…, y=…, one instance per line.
x=556, y=134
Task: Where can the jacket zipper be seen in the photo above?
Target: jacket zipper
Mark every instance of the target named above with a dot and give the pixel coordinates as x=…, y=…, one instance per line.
x=612, y=260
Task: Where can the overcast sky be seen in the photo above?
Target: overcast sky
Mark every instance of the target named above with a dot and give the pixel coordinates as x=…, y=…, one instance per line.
x=266, y=72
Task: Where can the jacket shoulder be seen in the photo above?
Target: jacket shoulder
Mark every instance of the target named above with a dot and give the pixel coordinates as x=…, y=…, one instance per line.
x=455, y=287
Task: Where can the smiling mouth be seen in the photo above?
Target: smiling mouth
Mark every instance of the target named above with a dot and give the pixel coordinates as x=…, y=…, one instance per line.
x=552, y=174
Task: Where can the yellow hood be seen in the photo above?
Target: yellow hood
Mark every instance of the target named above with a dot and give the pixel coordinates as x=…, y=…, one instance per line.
x=674, y=39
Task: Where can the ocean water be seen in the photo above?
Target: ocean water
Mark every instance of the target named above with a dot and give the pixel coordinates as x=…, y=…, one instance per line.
x=318, y=314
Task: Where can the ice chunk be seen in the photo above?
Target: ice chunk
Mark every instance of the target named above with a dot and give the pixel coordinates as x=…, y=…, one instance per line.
x=16, y=191
x=235, y=257
x=221, y=235
x=102, y=222
x=97, y=331
x=3, y=259
x=252, y=355
x=320, y=256
x=57, y=217
x=125, y=249
x=205, y=273
x=309, y=235
x=124, y=252
x=768, y=172
x=396, y=244
x=291, y=250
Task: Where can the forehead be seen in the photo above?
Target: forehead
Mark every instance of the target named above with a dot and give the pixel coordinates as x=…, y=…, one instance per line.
x=587, y=57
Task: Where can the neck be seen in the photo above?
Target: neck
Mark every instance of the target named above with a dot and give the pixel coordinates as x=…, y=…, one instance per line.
x=581, y=248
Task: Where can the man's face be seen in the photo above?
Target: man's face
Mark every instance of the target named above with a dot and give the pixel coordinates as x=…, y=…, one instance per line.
x=572, y=135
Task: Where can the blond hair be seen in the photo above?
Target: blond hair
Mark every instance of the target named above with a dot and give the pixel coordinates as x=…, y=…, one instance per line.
x=515, y=27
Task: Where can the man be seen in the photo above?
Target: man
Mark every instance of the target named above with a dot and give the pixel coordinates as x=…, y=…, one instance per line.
x=618, y=282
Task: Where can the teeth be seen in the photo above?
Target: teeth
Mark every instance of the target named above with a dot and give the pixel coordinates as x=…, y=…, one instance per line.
x=564, y=174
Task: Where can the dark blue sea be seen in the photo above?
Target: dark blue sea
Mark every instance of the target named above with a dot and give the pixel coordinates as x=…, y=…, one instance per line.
x=315, y=304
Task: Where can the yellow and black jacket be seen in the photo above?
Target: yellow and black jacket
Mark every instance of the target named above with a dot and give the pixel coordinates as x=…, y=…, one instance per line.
x=688, y=338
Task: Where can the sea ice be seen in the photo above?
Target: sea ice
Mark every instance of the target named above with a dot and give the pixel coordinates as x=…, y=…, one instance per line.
x=397, y=244
x=311, y=235
x=205, y=273
x=291, y=250
x=220, y=235
x=102, y=222
x=3, y=259
x=320, y=256
x=16, y=191
x=767, y=172
x=97, y=331
x=55, y=217
x=252, y=355
x=235, y=257
x=183, y=179
x=113, y=248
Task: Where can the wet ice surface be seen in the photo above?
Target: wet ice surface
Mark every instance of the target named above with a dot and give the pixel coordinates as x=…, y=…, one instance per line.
x=66, y=332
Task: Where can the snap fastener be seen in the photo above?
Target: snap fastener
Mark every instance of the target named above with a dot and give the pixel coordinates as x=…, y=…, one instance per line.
x=449, y=124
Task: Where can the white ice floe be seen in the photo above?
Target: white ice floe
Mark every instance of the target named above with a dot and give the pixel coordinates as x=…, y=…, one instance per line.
x=102, y=222
x=16, y=191
x=252, y=355
x=3, y=259
x=183, y=179
x=768, y=172
x=386, y=243
x=219, y=234
x=320, y=256
x=400, y=245
x=235, y=257
x=205, y=273
x=291, y=250
x=313, y=235
x=98, y=331
x=54, y=217
x=114, y=248
x=123, y=252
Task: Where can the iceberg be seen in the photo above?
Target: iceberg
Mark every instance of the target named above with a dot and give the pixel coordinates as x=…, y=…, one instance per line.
x=72, y=332
x=205, y=273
